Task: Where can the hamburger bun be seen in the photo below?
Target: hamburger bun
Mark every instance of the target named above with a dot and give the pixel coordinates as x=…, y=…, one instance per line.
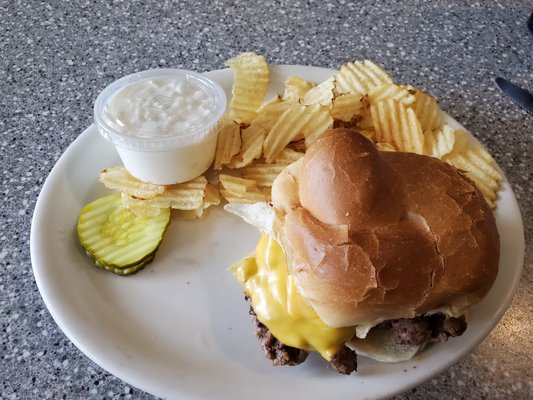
x=372, y=236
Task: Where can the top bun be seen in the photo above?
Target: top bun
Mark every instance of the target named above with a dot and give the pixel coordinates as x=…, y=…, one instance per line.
x=372, y=236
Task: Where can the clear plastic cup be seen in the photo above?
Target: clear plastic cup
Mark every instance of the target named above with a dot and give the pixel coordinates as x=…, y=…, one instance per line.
x=164, y=153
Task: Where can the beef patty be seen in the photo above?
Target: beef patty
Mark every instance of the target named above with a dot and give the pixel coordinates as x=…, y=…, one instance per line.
x=425, y=329
x=345, y=361
x=414, y=331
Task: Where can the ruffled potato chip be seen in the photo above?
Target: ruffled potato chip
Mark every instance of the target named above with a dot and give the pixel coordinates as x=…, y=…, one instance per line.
x=360, y=77
x=250, y=86
x=391, y=91
x=228, y=144
x=252, y=146
x=397, y=125
x=439, y=143
x=295, y=89
x=321, y=94
x=427, y=111
x=288, y=156
x=262, y=174
x=309, y=121
x=118, y=178
x=346, y=106
x=241, y=190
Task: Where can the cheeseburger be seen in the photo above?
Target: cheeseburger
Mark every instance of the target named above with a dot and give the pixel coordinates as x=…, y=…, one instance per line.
x=365, y=252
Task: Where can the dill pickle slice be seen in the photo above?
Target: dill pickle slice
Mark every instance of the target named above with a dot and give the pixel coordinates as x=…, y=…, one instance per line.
x=128, y=270
x=116, y=239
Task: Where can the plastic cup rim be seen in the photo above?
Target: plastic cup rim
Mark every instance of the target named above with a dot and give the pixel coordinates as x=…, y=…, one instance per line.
x=162, y=143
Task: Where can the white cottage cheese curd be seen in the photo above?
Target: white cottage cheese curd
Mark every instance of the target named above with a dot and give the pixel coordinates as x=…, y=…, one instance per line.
x=162, y=123
x=160, y=106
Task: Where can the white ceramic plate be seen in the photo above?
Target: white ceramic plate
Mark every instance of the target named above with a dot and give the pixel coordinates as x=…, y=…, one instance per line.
x=180, y=328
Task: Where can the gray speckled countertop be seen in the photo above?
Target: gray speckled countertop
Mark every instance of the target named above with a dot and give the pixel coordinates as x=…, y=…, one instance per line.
x=57, y=56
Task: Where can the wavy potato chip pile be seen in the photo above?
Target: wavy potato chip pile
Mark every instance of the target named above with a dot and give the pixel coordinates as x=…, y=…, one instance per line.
x=361, y=95
x=146, y=199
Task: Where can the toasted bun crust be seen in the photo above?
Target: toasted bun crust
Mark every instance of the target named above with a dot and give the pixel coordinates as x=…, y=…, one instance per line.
x=372, y=236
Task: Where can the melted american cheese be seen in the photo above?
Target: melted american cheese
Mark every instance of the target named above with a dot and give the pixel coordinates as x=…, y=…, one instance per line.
x=280, y=307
